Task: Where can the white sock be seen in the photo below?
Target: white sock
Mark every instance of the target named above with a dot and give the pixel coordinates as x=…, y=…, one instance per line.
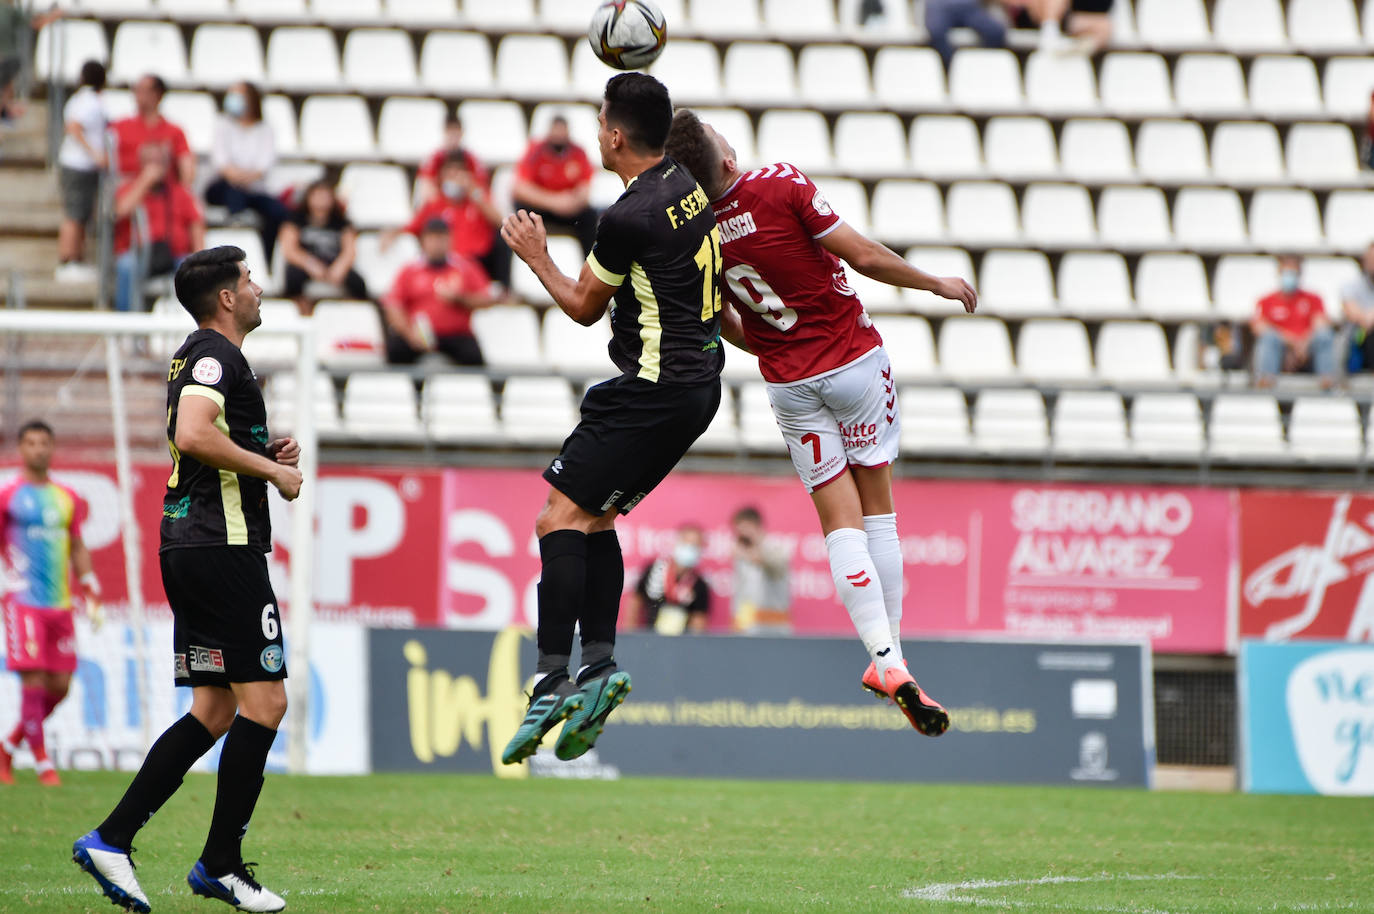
x=886, y=550
x=861, y=590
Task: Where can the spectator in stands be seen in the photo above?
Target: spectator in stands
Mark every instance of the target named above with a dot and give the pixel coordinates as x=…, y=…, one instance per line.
x=81, y=159
x=431, y=302
x=157, y=224
x=14, y=20
x=554, y=179
x=1357, y=303
x=762, y=591
x=427, y=179
x=1086, y=20
x=319, y=245
x=471, y=216
x=672, y=597
x=148, y=127
x=943, y=16
x=244, y=152
x=1291, y=330
x=1367, y=141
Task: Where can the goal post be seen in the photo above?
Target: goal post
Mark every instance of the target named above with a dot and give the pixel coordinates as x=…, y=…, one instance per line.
x=113, y=326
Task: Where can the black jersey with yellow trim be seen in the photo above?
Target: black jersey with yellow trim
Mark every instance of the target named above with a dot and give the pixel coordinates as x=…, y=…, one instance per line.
x=205, y=506
x=659, y=245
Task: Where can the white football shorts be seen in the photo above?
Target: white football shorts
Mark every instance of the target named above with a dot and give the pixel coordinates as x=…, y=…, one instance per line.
x=848, y=417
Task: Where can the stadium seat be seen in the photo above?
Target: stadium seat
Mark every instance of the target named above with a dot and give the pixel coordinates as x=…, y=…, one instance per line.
x=985, y=79
x=378, y=268
x=223, y=54
x=1210, y=85
x=581, y=124
x=516, y=76
x=537, y=411
x=509, y=337
x=800, y=138
x=834, y=75
x=1166, y=425
x=293, y=176
x=1136, y=84
x=907, y=212
x=1246, y=427
x=567, y=256
x=1328, y=277
x=271, y=10
x=1345, y=87
x=63, y=46
x=1060, y=83
x=847, y=198
x=1172, y=23
x=1020, y=148
x=740, y=365
x=1326, y=430
x=982, y=213
x=410, y=129
x=1246, y=152
x=336, y=128
x=494, y=131
x=457, y=62
x=1285, y=220
x=1188, y=367
x=975, y=348
x=722, y=435
x=870, y=144
x=281, y=404
x=195, y=113
x=378, y=196
x=118, y=103
x=1058, y=215
x=735, y=125
x=426, y=12
x=946, y=146
x=493, y=15
x=280, y=115
x=575, y=349
x=588, y=75
x=194, y=9
x=1095, y=150
x=1133, y=352
x=1249, y=25
x=909, y=78
x=1209, y=218
x=938, y=262
x=761, y=73
x=123, y=8
x=1346, y=220
x=1094, y=283
x=692, y=68
x=800, y=18
x=1322, y=154
x=1010, y=422
x=1172, y=151
x=1171, y=285
x=877, y=297
x=348, y=334
x=148, y=47
x=1089, y=423
x=1133, y=218
x=348, y=12
x=910, y=346
x=380, y=59
x=732, y=18
x=1054, y=351
x=1323, y=26
x=570, y=15
x=1015, y=283
x=266, y=350
x=1241, y=281
x=1283, y=87
x=382, y=406
x=459, y=408
x=300, y=57
x=934, y=419
x=758, y=428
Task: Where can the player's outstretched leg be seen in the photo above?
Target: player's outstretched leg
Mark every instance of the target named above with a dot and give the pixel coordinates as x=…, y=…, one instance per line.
x=549, y=706
x=7, y=763
x=926, y=714
x=603, y=689
x=113, y=870
x=238, y=888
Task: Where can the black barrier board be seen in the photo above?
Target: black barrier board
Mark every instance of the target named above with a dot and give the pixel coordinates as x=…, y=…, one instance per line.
x=777, y=707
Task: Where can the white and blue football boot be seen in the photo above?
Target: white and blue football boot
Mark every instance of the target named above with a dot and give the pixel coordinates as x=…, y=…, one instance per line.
x=113, y=870
x=238, y=889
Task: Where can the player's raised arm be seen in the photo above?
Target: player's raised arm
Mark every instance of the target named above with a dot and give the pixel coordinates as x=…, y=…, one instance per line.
x=197, y=437
x=877, y=261
x=583, y=299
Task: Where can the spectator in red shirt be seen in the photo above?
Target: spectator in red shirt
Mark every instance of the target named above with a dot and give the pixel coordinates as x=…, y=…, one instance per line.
x=429, y=308
x=471, y=216
x=149, y=127
x=157, y=224
x=554, y=179
x=1291, y=330
x=427, y=178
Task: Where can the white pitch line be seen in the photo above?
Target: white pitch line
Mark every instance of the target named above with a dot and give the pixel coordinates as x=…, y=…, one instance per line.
x=950, y=892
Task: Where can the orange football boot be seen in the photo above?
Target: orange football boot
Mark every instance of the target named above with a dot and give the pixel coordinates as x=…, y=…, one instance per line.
x=925, y=713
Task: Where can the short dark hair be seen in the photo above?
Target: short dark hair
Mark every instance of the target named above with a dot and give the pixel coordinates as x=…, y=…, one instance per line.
x=748, y=512
x=1290, y=257
x=158, y=83
x=639, y=105
x=93, y=74
x=34, y=425
x=201, y=276
x=689, y=145
x=252, y=101
x=453, y=120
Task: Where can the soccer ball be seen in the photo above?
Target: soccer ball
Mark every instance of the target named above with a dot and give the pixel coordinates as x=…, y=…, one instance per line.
x=628, y=34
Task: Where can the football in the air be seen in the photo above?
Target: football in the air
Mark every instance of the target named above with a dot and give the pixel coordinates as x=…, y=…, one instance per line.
x=628, y=34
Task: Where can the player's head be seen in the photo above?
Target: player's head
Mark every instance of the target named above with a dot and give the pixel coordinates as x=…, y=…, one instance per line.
x=559, y=137
x=215, y=285
x=747, y=525
x=434, y=241
x=36, y=442
x=687, y=550
x=635, y=115
x=704, y=152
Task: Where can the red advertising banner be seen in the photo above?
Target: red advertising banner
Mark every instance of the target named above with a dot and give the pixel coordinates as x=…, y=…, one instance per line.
x=1305, y=562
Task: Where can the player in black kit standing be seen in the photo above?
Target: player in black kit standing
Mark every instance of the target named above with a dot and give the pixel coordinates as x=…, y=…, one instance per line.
x=227, y=643
x=656, y=264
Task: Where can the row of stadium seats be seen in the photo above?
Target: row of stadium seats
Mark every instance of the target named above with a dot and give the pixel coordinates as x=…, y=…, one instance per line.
x=1241, y=25
x=539, y=411
x=307, y=58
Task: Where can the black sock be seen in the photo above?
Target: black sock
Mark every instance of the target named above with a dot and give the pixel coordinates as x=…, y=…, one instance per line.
x=562, y=585
x=241, y=764
x=605, y=582
x=167, y=762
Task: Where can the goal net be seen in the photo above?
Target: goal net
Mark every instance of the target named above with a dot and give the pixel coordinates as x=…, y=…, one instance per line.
x=99, y=379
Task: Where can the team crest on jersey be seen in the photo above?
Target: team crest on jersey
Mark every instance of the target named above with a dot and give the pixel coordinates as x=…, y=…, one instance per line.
x=821, y=205
x=207, y=371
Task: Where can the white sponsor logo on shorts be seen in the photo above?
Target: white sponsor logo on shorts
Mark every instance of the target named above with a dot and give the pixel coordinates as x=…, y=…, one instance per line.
x=207, y=371
x=179, y=665
x=205, y=659
x=611, y=501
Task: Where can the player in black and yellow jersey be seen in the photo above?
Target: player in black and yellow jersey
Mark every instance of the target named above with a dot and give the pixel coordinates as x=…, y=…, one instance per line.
x=656, y=265
x=227, y=643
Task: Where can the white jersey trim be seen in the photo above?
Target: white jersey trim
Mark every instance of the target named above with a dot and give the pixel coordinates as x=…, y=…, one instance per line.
x=825, y=374
x=838, y=223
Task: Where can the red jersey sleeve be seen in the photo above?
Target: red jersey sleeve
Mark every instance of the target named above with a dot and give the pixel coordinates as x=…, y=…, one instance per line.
x=811, y=207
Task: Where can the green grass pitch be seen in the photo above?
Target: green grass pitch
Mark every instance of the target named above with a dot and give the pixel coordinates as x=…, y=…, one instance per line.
x=435, y=843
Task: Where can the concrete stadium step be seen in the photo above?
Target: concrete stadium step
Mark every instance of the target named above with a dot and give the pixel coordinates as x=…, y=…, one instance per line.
x=28, y=255
x=41, y=290
x=28, y=186
x=23, y=221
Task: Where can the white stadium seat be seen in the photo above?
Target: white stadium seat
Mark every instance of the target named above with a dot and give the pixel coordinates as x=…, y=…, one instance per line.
x=379, y=59
x=946, y=146
x=254, y=10
x=907, y=212
x=575, y=349
x=722, y=435
x=985, y=79
x=493, y=131
x=348, y=334
x=379, y=268
x=195, y=113
x=906, y=77
x=516, y=75
x=1282, y=86
x=117, y=7
x=800, y=138
x=1327, y=277
x=1016, y=282
x=378, y=196
x=834, y=75
x=760, y=73
x=264, y=350
x=758, y=428
x=1345, y=87
x=588, y=77
x=280, y=114
x=1241, y=281
x=347, y=12
x=1246, y=152
x=509, y=337
x=1092, y=283
x=1135, y=83
x=1320, y=154
x=734, y=124
x=870, y=144
x=1171, y=284
x=1347, y=222
x=1094, y=150
x=381, y=405
x=692, y=68
x=975, y=348
x=1246, y=427
x=799, y=18
x=1209, y=218
x=938, y=262
x=458, y=62
x=410, y=129
x=459, y=408
x=1209, y=85
x=148, y=47
x=1054, y=350
x=492, y=15
x=934, y=419
x=537, y=411
x=1060, y=83
x=567, y=256
x=1249, y=25
x=280, y=397
x=1089, y=423
x=1010, y=422
x=1133, y=352
x=301, y=57
x=1326, y=430
x=1285, y=220
x=223, y=54
x=1172, y=151
x=847, y=198
x=1172, y=23
x=910, y=346
x=63, y=46
x=982, y=212
x=425, y=12
x=1020, y=148
x=194, y=9
x=740, y=365
x=336, y=127
x=1323, y=25
x=1167, y=425
x=728, y=17
x=569, y=15
x=1058, y=215
x=1133, y=218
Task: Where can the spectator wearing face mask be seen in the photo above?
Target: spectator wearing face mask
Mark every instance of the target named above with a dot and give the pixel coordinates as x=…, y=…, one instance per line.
x=427, y=176
x=1291, y=330
x=244, y=152
x=554, y=179
x=1357, y=304
x=429, y=308
x=472, y=219
x=672, y=596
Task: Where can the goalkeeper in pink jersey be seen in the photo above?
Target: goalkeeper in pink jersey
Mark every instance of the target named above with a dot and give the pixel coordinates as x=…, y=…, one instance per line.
x=829, y=381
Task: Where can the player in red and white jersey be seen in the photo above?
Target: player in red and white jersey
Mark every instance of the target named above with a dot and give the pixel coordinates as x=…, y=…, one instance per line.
x=829, y=380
